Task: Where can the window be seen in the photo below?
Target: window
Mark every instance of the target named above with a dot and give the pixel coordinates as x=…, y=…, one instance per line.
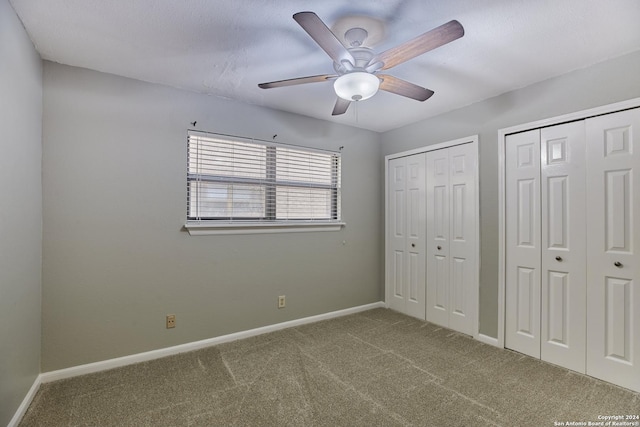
x=240, y=183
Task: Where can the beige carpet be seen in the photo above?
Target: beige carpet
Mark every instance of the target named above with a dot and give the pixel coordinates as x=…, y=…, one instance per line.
x=376, y=368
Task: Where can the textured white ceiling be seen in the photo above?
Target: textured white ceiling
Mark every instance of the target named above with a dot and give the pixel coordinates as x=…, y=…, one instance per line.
x=226, y=48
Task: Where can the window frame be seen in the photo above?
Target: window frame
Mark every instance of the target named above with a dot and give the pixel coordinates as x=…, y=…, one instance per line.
x=268, y=223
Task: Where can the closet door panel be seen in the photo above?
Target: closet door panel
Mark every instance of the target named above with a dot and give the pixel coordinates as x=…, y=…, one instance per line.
x=523, y=246
x=462, y=231
x=563, y=277
x=461, y=313
x=439, y=295
x=415, y=220
x=613, y=258
x=397, y=234
x=437, y=191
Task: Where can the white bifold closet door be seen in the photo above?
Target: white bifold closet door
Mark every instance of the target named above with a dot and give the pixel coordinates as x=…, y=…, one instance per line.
x=613, y=254
x=572, y=245
x=406, y=198
x=522, y=247
x=563, y=276
x=546, y=283
x=451, y=237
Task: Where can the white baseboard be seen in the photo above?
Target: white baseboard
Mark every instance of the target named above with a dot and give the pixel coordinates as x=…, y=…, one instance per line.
x=196, y=345
x=489, y=340
x=22, y=409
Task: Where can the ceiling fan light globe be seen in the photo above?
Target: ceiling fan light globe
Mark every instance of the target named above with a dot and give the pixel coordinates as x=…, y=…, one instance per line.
x=356, y=86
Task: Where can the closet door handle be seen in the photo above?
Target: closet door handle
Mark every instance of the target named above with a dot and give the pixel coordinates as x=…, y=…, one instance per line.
x=559, y=258
x=617, y=264
x=413, y=245
x=439, y=247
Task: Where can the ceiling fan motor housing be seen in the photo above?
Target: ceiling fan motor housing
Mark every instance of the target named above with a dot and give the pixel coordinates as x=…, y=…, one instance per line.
x=362, y=56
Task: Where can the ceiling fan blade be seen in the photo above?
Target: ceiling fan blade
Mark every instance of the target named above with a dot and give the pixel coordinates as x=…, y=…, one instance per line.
x=430, y=40
x=322, y=35
x=340, y=107
x=404, y=88
x=297, y=81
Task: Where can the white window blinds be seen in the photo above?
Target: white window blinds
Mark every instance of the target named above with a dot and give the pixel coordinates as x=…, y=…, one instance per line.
x=231, y=179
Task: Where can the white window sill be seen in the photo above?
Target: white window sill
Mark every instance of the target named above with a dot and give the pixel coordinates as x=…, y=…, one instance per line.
x=209, y=228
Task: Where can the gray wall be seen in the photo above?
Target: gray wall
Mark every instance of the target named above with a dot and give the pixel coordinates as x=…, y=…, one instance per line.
x=20, y=212
x=115, y=257
x=605, y=83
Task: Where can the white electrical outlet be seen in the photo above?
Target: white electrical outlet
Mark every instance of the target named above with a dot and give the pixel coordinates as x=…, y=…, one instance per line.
x=282, y=301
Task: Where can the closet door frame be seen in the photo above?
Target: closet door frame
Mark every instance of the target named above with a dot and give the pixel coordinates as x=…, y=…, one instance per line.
x=473, y=139
x=499, y=341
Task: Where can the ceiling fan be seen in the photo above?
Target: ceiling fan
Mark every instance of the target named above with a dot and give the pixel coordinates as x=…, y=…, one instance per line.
x=358, y=68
